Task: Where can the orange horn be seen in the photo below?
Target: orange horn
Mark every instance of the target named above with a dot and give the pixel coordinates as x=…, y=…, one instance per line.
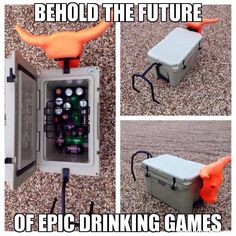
x=65, y=44
x=86, y=35
x=204, y=174
x=197, y=26
x=34, y=40
x=212, y=177
x=215, y=167
x=225, y=160
x=210, y=21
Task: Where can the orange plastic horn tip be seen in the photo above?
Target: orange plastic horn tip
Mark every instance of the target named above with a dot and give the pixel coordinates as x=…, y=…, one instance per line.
x=197, y=26
x=212, y=177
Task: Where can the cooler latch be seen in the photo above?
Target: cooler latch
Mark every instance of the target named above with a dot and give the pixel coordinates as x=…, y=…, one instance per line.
x=8, y=160
x=147, y=174
x=173, y=187
x=11, y=76
x=199, y=46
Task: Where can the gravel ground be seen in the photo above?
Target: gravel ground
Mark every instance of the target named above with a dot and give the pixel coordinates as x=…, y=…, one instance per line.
x=36, y=194
x=201, y=141
x=205, y=90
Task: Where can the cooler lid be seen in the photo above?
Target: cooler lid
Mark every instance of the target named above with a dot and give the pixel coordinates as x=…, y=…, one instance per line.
x=175, y=47
x=21, y=105
x=172, y=166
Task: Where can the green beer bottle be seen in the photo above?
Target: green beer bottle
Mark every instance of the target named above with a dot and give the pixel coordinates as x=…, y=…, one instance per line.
x=74, y=140
x=74, y=100
x=75, y=117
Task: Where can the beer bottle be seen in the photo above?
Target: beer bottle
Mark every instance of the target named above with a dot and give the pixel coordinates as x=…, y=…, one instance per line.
x=60, y=141
x=58, y=111
x=83, y=103
x=75, y=117
x=75, y=102
x=65, y=116
x=84, y=111
x=79, y=140
x=68, y=92
x=85, y=147
x=69, y=126
x=67, y=106
x=58, y=91
x=73, y=149
x=81, y=130
x=58, y=101
x=73, y=132
x=80, y=91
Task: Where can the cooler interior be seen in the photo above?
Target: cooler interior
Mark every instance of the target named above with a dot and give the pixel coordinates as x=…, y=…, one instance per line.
x=51, y=152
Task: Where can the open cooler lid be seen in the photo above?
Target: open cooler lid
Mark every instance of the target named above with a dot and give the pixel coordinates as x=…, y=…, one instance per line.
x=175, y=47
x=171, y=166
x=20, y=131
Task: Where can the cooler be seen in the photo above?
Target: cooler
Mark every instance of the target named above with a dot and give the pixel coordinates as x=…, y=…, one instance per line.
x=175, y=54
x=173, y=180
x=26, y=125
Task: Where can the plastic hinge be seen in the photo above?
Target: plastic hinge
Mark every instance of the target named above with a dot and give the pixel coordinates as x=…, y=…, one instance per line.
x=38, y=141
x=38, y=99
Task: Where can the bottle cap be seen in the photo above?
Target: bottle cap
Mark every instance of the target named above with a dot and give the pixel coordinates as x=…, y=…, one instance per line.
x=58, y=91
x=58, y=110
x=68, y=92
x=83, y=103
x=67, y=106
x=79, y=91
x=59, y=101
x=65, y=116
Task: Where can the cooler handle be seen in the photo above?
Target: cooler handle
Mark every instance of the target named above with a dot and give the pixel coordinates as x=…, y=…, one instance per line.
x=149, y=155
x=143, y=76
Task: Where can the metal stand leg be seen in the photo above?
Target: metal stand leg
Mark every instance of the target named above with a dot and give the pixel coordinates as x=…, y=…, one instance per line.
x=143, y=76
x=53, y=205
x=65, y=180
x=149, y=155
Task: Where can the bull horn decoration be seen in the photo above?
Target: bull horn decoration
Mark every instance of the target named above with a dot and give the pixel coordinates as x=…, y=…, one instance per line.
x=212, y=177
x=34, y=40
x=86, y=35
x=65, y=44
x=197, y=26
x=215, y=167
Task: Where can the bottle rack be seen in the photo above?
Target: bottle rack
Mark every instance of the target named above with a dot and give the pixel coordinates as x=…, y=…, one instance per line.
x=50, y=126
x=69, y=130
